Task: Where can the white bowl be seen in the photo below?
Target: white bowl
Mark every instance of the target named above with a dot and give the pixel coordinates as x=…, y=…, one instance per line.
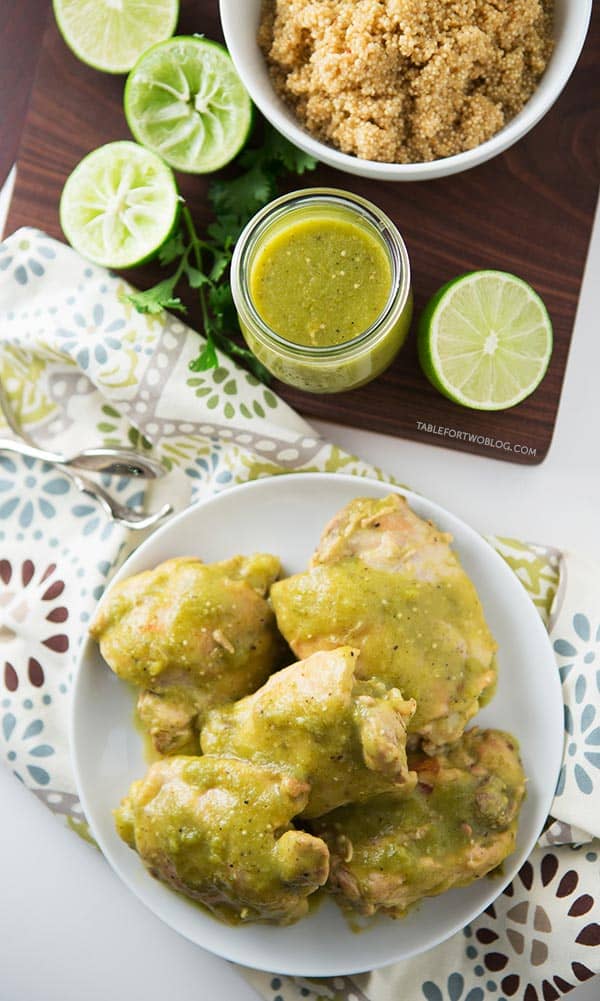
x=285, y=515
x=240, y=19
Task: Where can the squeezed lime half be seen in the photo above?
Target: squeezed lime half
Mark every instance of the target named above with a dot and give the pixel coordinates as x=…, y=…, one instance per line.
x=110, y=35
x=185, y=101
x=119, y=205
x=485, y=340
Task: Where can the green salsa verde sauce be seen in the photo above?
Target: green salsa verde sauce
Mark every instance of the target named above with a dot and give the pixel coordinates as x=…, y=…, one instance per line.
x=321, y=281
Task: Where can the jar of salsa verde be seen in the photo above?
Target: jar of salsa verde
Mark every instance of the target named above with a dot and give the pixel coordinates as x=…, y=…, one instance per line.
x=321, y=284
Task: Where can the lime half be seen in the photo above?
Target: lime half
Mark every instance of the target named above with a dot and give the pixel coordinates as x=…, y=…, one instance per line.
x=185, y=101
x=485, y=340
x=119, y=205
x=111, y=35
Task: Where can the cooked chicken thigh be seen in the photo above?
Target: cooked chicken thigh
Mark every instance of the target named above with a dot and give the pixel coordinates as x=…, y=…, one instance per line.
x=191, y=635
x=386, y=582
x=456, y=825
x=346, y=738
x=218, y=830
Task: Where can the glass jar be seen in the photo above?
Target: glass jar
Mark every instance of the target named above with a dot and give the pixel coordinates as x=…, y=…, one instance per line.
x=323, y=368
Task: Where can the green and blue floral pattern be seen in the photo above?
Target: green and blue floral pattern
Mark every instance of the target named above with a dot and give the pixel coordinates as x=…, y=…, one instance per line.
x=454, y=990
x=579, y=658
x=30, y=260
x=24, y=749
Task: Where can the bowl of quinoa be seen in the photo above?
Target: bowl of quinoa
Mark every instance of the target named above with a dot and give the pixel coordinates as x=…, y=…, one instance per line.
x=404, y=89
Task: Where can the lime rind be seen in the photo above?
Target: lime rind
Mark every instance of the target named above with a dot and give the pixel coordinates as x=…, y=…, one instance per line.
x=119, y=205
x=111, y=35
x=185, y=101
x=485, y=340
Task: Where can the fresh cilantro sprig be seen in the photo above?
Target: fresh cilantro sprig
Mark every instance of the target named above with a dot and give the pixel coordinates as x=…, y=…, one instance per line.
x=203, y=261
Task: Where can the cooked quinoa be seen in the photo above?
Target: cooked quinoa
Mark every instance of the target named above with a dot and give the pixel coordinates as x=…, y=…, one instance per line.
x=405, y=81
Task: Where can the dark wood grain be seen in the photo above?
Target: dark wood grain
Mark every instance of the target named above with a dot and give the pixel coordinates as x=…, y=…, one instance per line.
x=22, y=25
x=528, y=211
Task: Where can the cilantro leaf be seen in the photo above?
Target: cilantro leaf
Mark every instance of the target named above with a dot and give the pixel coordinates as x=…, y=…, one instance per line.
x=242, y=196
x=172, y=249
x=224, y=230
x=207, y=357
x=195, y=277
x=278, y=149
x=157, y=298
x=221, y=259
x=222, y=305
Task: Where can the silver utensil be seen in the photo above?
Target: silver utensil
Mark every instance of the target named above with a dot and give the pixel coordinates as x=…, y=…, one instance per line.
x=113, y=461
x=126, y=516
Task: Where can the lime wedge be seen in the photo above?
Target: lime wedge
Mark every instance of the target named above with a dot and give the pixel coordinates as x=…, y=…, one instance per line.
x=111, y=35
x=185, y=101
x=485, y=340
x=119, y=205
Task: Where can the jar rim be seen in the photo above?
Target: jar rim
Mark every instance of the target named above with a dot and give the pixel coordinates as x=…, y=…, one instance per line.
x=378, y=221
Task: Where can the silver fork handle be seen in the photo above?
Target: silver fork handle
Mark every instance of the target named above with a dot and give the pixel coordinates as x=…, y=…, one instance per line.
x=115, y=462
x=113, y=508
x=30, y=451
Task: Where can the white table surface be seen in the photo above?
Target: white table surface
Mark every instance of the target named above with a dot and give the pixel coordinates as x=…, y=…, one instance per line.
x=69, y=931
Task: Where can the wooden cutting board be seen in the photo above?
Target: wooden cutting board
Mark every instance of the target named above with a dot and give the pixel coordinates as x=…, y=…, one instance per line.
x=528, y=211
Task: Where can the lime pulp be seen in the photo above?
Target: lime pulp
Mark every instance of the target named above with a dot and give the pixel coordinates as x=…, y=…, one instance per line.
x=111, y=35
x=185, y=101
x=119, y=205
x=485, y=340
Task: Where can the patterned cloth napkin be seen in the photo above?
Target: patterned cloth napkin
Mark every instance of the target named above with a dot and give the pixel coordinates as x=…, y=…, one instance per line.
x=81, y=367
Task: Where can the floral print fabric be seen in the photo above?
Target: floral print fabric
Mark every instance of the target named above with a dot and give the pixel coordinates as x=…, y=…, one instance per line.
x=82, y=368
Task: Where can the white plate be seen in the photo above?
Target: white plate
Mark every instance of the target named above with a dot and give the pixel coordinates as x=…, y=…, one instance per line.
x=285, y=515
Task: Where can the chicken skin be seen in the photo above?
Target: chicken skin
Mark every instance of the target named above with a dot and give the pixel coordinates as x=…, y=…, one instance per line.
x=345, y=738
x=190, y=635
x=458, y=824
x=218, y=830
x=387, y=582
